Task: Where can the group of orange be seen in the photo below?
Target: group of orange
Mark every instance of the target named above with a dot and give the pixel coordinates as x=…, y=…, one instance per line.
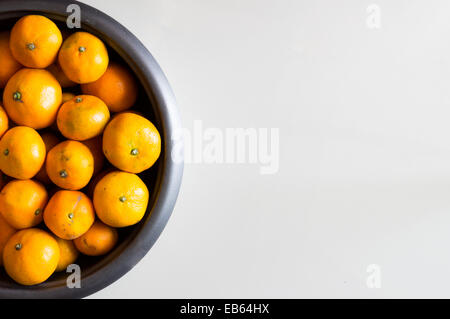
x=53, y=145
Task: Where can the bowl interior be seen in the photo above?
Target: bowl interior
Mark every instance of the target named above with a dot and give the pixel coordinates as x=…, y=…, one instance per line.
x=151, y=177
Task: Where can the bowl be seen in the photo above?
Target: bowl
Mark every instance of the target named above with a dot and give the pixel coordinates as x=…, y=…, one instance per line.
x=157, y=103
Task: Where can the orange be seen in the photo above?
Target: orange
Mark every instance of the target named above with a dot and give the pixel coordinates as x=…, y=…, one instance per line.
x=131, y=142
x=22, y=203
x=95, y=146
x=8, y=65
x=117, y=88
x=59, y=75
x=50, y=141
x=98, y=240
x=83, y=57
x=67, y=96
x=69, y=214
x=70, y=165
x=6, y=231
x=22, y=152
x=30, y=256
x=35, y=41
x=32, y=98
x=4, y=122
x=120, y=199
x=68, y=254
x=82, y=118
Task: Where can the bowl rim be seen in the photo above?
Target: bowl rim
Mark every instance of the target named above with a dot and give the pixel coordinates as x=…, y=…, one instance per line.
x=163, y=100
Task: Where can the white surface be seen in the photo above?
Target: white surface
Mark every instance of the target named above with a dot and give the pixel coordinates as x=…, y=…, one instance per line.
x=364, y=172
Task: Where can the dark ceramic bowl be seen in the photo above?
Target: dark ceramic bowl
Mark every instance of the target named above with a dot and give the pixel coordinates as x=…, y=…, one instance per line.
x=157, y=103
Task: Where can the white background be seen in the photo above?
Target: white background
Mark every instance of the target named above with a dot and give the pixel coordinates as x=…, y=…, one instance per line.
x=364, y=153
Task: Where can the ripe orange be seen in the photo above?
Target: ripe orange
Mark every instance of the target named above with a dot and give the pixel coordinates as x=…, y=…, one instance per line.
x=70, y=165
x=4, y=122
x=8, y=65
x=30, y=256
x=117, y=88
x=68, y=254
x=83, y=57
x=120, y=199
x=32, y=98
x=22, y=203
x=98, y=240
x=59, y=75
x=82, y=117
x=95, y=146
x=35, y=41
x=69, y=214
x=50, y=141
x=22, y=152
x=131, y=142
x=6, y=231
